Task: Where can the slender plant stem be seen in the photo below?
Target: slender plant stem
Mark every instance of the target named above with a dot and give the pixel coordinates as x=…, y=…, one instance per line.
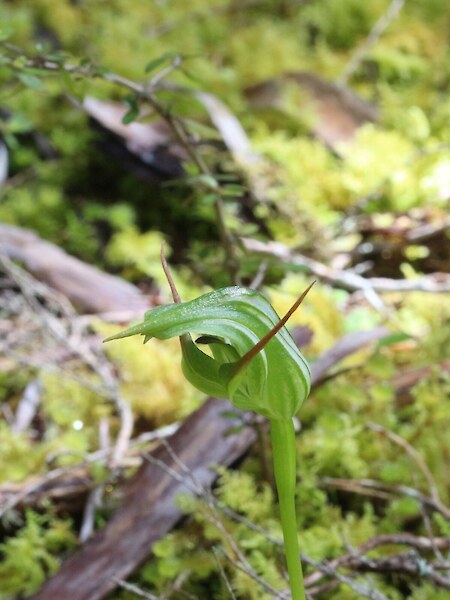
x=284, y=460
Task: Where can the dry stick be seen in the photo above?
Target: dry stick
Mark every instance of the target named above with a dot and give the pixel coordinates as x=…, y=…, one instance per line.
x=93, y=502
x=95, y=496
x=348, y=280
x=408, y=564
x=175, y=587
x=27, y=406
x=423, y=232
x=29, y=489
x=402, y=539
x=224, y=575
x=429, y=529
x=135, y=589
x=361, y=589
x=377, y=31
x=258, y=279
x=267, y=587
x=377, y=489
x=407, y=539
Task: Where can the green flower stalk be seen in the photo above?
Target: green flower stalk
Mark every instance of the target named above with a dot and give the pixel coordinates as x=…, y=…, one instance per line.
x=256, y=364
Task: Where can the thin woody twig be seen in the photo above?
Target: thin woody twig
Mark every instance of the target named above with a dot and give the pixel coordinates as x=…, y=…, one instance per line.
x=224, y=575
x=175, y=588
x=348, y=280
x=92, y=504
x=409, y=563
x=95, y=495
x=413, y=453
x=398, y=539
x=11, y=499
x=130, y=587
x=377, y=31
x=258, y=279
x=377, y=489
x=28, y=405
x=326, y=569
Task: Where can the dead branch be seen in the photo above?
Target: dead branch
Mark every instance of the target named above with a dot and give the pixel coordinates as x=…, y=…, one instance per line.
x=384, y=491
x=348, y=280
x=398, y=539
x=408, y=563
x=134, y=589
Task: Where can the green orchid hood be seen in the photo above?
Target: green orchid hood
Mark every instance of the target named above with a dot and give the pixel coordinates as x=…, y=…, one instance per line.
x=274, y=383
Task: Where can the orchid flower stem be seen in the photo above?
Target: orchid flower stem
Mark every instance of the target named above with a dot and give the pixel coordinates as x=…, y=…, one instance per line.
x=270, y=377
x=284, y=461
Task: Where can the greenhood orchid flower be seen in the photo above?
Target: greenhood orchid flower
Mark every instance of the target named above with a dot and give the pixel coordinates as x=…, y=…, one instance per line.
x=231, y=321
x=254, y=362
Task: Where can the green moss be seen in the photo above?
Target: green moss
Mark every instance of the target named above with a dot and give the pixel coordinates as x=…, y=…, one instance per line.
x=341, y=23
x=139, y=252
x=151, y=379
x=72, y=411
x=20, y=457
x=275, y=46
x=44, y=209
x=310, y=172
x=28, y=558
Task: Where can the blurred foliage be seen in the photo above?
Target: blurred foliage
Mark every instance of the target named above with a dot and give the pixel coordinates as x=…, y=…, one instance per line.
x=405, y=73
x=65, y=186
